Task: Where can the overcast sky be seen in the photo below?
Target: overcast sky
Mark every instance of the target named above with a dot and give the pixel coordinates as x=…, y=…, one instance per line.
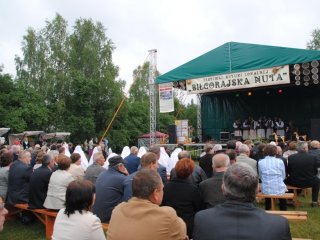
x=179, y=29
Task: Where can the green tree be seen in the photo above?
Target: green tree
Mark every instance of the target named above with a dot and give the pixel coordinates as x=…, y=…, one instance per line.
x=314, y=43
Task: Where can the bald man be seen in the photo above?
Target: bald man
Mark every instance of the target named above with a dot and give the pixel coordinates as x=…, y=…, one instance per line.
x=211, y=188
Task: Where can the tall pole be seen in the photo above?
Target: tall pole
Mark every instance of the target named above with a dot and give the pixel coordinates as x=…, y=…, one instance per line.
x=199, y=120
x=152, y=95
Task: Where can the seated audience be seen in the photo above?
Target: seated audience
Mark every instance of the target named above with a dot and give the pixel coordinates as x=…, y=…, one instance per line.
x=292, y=149
x=58, y=184
x=303, y=170
x=232, y=154
x=75, y=168
x=142, y=216
x=3, y=213
x=148, y=161
x=182, y=195
x=39, y=182
x=205, y=161
x=211, y=188
x=161, y=169
x=18, y=179
x=38, y=159
x=94, y=170
x=132, y=161
x=110, y=188
x=76, y=221
x=244, y=153
x=238, y=217
x=272, y=174
x=197, y=176
x=6, y=159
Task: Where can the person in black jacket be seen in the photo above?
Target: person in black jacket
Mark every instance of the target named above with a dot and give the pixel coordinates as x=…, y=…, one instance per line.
x=302, y=170
x=205, y=161
x=39, y=182
x=182, y=195
x=19, y=177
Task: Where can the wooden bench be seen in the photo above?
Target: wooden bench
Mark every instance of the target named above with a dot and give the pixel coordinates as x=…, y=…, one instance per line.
x=275, y=197
x=296, y=201
x=47, y=217
x=291, y=215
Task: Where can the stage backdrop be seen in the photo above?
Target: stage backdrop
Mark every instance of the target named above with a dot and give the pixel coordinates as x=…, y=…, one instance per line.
x=297, y=103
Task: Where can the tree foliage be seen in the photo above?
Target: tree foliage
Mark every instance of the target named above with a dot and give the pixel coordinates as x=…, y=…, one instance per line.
x=314, y=43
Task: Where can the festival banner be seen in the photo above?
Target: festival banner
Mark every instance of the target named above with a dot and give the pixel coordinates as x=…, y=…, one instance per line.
x=240, y=80
x=166, y=98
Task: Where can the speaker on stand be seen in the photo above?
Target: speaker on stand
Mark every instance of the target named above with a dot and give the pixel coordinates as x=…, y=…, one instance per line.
x=172, y=131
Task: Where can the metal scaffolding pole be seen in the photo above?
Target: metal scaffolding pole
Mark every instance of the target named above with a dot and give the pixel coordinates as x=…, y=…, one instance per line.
x=199, y=120
x=152, y=95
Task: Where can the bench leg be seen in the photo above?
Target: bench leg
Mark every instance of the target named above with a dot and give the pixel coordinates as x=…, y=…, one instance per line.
x=49, y=226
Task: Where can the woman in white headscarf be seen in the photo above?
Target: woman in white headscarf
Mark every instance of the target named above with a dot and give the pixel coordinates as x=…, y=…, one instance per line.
x=84, y=160
x=95, y=150
x=125, y=152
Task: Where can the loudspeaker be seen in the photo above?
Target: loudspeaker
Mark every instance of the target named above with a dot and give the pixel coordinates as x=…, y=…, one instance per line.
x=315, y=129
x=172, y=131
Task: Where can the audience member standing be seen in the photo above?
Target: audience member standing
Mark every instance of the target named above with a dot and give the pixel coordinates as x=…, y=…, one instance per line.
x=76, y=221
x=144, y=219
x=132, y=161
x=94, y=170
x=19, y=178
x=238, y=217
x=211, y=188
x=110, y=188
x=181, y=194
x=302, y=170
x=39, y=182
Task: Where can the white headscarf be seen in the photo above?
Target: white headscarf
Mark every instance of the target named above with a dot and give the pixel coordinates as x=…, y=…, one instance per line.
x=174, y=158
x=125, y=152
x=66, y=149
x=84, y=160
x=164, y=159
x=95, y=150
x=106, y=163
x=142, y=151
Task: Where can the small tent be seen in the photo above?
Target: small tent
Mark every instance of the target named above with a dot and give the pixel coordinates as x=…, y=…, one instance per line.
x=144, y=140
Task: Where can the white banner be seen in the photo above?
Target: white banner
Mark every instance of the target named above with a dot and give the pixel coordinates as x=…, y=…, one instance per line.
x=166, y=98
x=241, y=80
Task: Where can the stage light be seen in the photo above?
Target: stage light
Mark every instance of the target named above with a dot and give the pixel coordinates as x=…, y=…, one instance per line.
x=297, y=83
x=296, y=66
x=249, y=93
x=316, y=81
x=305, y=65
x=268, y=92
x=314, y=70
x=306, y=84
x=306, y=71
x=280, y=91
x=237, y=94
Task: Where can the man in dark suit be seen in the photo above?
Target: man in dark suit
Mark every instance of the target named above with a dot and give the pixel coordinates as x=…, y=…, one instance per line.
x=132, y=161
x=238, y=217
x=211, y=188
x=205, y=162
x=19, y=177
x=39, y=182
x=303, y=169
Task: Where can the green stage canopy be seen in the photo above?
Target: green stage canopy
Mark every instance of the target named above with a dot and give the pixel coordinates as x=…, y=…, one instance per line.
x=235, y=57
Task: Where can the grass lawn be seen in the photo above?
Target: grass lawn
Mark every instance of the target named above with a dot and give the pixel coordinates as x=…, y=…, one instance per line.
x=310, y=229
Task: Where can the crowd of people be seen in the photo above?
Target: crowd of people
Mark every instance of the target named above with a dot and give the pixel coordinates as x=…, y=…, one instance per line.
x=150, y=194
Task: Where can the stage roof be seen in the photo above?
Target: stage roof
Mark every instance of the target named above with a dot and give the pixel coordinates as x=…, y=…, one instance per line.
x=235, y=57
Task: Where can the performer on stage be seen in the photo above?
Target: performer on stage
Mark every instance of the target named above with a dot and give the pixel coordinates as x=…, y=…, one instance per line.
x=269, y=127
x=246, y=128
x=253, y=131
x=291, y=131
x=279, y=125
x=260, y=124
x=237, y=128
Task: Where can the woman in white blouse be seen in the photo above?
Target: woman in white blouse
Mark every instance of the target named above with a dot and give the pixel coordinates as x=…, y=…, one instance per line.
x=75, y=221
